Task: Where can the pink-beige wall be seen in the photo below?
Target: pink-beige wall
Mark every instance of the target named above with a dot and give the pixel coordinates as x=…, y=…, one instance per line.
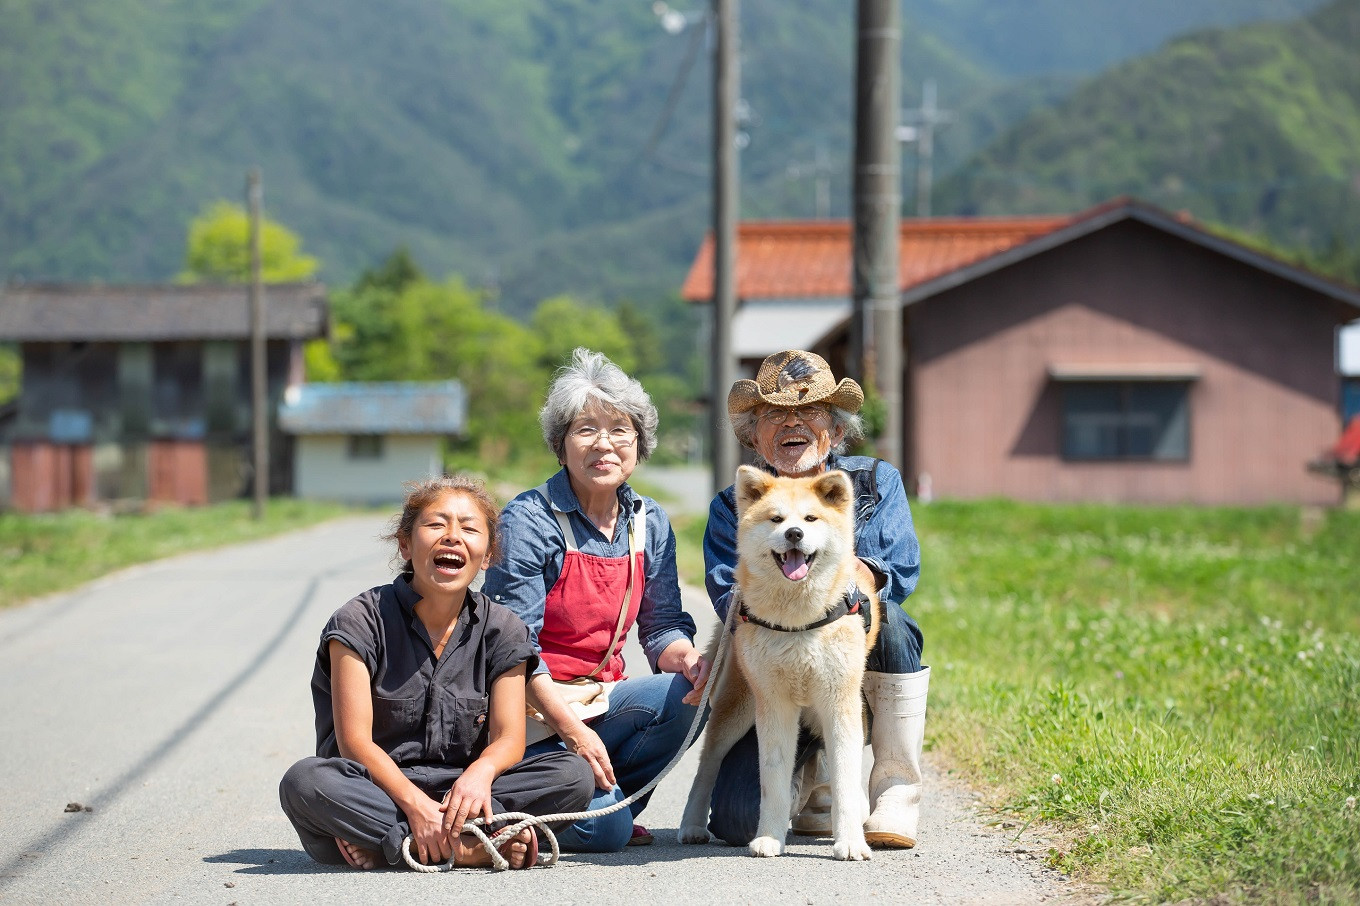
x=984, y=417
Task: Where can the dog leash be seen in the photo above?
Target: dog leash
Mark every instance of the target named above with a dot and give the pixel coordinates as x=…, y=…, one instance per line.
x=522, y=820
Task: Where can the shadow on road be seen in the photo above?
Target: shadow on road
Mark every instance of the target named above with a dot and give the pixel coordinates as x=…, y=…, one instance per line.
x=273, y=862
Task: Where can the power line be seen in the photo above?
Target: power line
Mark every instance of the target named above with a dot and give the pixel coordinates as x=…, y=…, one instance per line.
x=919, y=126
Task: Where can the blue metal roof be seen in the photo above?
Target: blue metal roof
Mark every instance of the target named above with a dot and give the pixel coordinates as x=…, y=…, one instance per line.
x=375, y=408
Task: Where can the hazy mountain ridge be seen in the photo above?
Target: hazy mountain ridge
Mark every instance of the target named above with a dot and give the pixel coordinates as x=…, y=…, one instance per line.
x=1257, y=127
x=528, y=144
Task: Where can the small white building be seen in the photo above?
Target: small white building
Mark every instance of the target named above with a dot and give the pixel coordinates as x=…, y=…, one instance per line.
x=357, y=443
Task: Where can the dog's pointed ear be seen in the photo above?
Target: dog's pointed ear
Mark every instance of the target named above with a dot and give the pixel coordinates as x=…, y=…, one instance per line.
x=834, y=489
x=752, y=484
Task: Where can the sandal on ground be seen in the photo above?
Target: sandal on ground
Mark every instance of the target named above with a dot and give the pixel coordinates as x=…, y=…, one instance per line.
x=530, y=852
x=641, y=836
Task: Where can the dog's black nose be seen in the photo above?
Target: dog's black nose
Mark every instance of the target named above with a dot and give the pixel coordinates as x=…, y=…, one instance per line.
x=794, y=535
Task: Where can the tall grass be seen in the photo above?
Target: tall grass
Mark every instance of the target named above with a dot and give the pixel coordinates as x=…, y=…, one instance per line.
x=46, y=553
x=1178, y=689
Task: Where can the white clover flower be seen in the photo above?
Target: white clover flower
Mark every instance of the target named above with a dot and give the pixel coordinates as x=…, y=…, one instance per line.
x=1057, y=778
x=1350, y=803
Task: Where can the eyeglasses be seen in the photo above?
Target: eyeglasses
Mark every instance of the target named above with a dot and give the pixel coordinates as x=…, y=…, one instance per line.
x=778, y=415
x=619, y=437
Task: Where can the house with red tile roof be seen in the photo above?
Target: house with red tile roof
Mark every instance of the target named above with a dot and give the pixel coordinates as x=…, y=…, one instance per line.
x=1120, y=354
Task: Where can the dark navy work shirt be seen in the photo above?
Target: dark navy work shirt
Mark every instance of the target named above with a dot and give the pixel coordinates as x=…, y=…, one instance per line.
x=424, y=711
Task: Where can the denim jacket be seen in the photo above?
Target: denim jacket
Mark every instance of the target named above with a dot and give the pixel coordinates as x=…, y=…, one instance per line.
x=885, y=538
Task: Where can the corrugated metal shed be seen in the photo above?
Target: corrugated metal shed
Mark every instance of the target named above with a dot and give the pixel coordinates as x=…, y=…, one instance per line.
x=375, y=408
x=93, y=313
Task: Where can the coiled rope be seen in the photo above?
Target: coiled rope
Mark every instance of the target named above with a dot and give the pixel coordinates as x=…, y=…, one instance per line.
x=522, y=820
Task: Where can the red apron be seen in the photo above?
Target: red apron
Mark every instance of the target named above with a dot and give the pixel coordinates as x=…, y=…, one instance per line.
x=581, y=611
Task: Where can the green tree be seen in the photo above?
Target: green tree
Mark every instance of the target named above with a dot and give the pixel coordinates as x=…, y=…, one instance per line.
x=10, y=367
x=396, y=325
x=219, y=249
x=563, y=323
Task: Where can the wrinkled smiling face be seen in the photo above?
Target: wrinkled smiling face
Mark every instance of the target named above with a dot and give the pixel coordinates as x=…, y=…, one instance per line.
x=796, y=442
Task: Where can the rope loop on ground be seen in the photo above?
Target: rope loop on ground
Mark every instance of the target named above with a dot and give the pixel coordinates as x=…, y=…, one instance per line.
x=494, y=842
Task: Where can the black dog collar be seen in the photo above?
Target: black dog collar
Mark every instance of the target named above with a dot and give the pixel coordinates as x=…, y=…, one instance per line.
x=852, y=601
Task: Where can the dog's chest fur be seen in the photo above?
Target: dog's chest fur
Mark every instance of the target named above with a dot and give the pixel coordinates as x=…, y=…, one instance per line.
x=806, y=667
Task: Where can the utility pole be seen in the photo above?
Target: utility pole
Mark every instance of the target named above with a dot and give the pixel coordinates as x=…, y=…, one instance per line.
x=258, y=376
x=876, y=324
x=726, y=82
x=921, y=130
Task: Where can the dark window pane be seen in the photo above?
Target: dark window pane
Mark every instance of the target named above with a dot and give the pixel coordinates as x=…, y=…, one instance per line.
x=1126, y=420
x=365, y=446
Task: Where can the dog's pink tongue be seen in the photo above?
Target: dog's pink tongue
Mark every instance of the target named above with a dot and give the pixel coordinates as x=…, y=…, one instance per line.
x=795, y=566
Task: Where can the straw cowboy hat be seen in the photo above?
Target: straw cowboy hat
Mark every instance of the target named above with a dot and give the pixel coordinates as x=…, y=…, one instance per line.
x=794, y=378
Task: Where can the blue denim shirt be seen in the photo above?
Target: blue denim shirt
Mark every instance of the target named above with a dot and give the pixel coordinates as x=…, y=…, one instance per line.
x=533, y=549
x=885, y=538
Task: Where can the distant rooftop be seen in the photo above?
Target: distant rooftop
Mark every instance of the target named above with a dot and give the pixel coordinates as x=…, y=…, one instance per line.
x=375, y=408
x=801, y=258
x=55, y=312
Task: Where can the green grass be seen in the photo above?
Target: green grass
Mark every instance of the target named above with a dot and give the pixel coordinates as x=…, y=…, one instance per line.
x=1175, y=691
x=47, y=553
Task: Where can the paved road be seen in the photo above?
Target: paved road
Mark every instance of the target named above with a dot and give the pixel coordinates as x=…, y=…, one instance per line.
x=170, y=698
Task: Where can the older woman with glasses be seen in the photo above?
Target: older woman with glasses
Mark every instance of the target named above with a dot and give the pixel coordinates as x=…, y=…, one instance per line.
x=586, y=558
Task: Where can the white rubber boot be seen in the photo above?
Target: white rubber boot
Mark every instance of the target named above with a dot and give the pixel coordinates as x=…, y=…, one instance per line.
x=814, y=816
x=898, y=703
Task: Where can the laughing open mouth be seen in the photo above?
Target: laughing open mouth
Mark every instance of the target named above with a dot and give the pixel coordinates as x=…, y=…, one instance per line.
x=794, y=564
x=449, y=561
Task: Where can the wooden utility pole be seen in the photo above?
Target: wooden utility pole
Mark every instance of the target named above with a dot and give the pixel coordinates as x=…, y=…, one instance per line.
x=259, y=391
x=726, y=91
x=876, y=324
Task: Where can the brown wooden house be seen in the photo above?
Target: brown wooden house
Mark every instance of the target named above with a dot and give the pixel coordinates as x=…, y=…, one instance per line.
x=1123, y=354
x=143, y=392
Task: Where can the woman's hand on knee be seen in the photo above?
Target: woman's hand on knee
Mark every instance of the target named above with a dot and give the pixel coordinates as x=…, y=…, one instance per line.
x=586, y=743
x=430, y=841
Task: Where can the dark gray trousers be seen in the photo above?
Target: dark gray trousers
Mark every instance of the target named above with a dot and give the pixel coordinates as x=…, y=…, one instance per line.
x=327, y=798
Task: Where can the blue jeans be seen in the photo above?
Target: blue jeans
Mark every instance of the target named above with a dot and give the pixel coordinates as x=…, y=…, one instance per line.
x=642, y=730
x=735, y=808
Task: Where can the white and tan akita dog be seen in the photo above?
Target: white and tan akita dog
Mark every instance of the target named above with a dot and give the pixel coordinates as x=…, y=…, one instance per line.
x=797, y=654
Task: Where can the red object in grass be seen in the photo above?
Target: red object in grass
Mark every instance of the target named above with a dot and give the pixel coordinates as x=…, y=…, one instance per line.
x=1347, y=449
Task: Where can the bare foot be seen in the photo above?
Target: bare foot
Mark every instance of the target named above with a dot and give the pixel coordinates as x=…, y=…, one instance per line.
x=357, y=856
x=471, y=852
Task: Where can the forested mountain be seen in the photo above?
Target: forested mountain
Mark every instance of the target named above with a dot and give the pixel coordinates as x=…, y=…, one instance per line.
x=1079, y=36
x=533, y=146
x=1256, y=127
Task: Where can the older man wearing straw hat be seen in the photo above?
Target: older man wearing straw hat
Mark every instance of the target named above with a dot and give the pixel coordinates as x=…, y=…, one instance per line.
x=798, y=419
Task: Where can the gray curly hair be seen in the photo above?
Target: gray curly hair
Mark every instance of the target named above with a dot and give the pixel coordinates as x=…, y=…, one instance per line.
x=592, y=378
x=744, y=427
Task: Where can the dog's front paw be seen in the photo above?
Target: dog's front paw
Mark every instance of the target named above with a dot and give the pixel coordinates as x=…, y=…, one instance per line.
x=767, y=847
x=852, y=850
x=693, y=833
